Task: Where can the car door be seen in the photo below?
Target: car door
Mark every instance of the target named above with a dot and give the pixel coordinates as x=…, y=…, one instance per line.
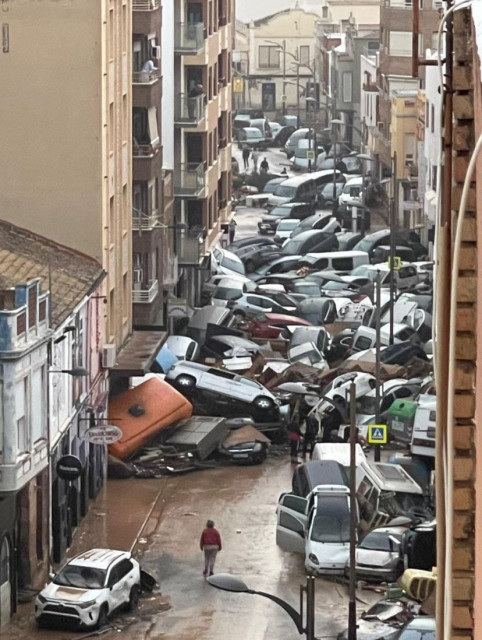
x=120, y=581
x=216, y=380
x=291, y=523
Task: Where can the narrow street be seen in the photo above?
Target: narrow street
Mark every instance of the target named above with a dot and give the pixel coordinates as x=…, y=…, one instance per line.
x=169, y=514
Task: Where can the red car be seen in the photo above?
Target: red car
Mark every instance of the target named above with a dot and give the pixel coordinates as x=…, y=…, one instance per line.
x=270, y=325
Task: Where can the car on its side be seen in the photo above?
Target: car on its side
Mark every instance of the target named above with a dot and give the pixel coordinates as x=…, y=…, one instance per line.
x=89, y=588
x=191, y=376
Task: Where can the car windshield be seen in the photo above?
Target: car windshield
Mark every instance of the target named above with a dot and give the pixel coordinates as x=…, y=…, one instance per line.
x=332, y=521
x=281, y=212
x=228, y=263
x=81, y=577
x=225, y=293
x=328, y=188
x=310, y=289
x=378, y=541
x=270, y=187
x=332, y=285
x=291, y=247
x=284, y=191
x=287, y=225
x=366, y=272
x=256, y=133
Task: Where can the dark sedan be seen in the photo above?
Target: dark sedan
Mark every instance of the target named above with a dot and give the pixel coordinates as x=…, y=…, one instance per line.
x=298, y=210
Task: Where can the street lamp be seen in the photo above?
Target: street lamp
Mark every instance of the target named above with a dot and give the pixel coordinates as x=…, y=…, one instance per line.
x=227, y=582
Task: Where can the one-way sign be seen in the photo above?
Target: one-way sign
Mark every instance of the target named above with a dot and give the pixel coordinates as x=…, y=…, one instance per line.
x=377, y=434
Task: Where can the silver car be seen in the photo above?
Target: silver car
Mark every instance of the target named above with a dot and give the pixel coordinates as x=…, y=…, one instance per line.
x=188, y=376
x=378, y=556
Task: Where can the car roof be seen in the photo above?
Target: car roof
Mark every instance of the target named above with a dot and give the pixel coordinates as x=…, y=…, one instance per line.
x=308, y=234
x=354, y=181
x=99, y=558
x=296, y=181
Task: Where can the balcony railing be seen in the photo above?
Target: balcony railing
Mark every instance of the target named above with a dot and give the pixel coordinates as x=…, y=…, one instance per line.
x=189, y=179
x=146, y=77
x=142, y=221
x=145, y=5
x=190, y=245
x=189, y=38
x=145, y=150
x=145, y=293
x=189, y=111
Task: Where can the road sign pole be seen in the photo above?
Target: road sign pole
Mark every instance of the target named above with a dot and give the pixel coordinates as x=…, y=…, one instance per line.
x=353, y=517
x=377, y=360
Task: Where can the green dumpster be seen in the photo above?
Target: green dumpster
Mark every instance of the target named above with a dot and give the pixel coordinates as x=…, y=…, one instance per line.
x=400, y=418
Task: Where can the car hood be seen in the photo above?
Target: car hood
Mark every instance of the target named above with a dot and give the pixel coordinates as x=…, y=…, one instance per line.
x=372, y=557
x=329, y=554
x=68, y=594
x=277, y=200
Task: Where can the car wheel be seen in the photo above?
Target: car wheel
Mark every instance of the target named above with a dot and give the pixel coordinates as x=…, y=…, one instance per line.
x=249, y=266
x=133, y=598
x=264, y=403
x=185, y=381
x=103, y=617
x=239, y=315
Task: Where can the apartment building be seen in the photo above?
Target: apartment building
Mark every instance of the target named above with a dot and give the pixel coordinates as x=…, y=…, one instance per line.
x=203, y=41
x=152, y=186
x=65, y=72
x=395, y=61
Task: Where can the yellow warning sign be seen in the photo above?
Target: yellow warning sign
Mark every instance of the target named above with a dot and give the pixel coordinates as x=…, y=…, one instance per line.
x=377, y=434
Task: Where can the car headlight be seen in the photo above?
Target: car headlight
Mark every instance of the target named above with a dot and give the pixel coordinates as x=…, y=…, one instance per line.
x=86, y=605
x=258, y=447
x=41, y=599
x=312, y=558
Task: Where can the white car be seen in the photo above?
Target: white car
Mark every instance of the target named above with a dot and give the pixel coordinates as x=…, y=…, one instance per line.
x=284, y=229
x=230, y=289
x=277, y=302
x=89, y=588
x=351, y=191
x=227, y=263
x=188, y=376
x=338, y=391
x=209, y=286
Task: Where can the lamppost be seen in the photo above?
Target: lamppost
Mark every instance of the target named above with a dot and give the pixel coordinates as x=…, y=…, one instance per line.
x=306, y=626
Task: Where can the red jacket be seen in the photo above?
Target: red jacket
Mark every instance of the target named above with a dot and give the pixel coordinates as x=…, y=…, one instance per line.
x=210, y=536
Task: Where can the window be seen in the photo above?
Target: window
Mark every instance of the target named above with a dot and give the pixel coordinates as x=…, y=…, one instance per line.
x=347, y=82
x=21, y=404
x=269, y=57
x=342, y=264
x=305, y=55
x=400, y=43
x=38, y=395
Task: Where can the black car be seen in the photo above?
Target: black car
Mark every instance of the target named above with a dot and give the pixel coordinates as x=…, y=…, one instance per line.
x=247, y=242
x=282, y=136
x=404, y=237
x=315, y=241
x=298, y=210
x=223, y=346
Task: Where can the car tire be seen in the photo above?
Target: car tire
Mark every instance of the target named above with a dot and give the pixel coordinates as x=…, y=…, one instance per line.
x=185, y=381
x=263, y=403
x=103, y=617
x=134, y=598
x=239, y=315
x=249, y=266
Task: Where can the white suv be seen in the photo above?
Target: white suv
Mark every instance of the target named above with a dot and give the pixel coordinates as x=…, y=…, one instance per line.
x=87, y=589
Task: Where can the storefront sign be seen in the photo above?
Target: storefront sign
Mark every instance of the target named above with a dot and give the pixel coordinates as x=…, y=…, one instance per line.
x=103, y=434
x=69, y=467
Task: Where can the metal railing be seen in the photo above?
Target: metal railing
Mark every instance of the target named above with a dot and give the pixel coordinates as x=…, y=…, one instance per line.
x=189, y=179
x=189, y=110
x=189, y=38
x=190, y=245
x=145, y=293
x=398, y=4
x=145, y=5
x=146, y=77
x=142, y=221
x=145, y=150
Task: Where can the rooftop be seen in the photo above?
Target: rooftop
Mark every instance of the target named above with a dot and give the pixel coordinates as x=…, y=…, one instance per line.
x=68, y=274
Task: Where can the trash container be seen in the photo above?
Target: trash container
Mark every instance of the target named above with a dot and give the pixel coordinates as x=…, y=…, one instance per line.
x=400, y=419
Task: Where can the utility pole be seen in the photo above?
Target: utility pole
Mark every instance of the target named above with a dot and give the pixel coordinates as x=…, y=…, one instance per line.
x=393, y=215
x=284, y=77
x=333, y=139
x=377, y=359
x=353, y=518
x=298, y=88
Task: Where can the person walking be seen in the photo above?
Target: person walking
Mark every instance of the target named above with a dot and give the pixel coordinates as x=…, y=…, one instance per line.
x=311, y=431
x=232, y=229
x=294, y=436
x=264, y=166
x=255, y=158
x=246, y=154
x=210, y=543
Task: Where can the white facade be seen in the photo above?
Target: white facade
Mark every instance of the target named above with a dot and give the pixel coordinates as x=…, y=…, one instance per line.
x=368, y=99
x=168, y=100
x=23, y=388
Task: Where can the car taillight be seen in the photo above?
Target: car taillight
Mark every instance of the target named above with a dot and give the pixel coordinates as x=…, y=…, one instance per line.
x=359, y=298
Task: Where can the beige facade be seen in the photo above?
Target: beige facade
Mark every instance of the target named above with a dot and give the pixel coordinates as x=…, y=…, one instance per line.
x=404, y=131
x=363, y=13
x=65, y=157
x=203, y=42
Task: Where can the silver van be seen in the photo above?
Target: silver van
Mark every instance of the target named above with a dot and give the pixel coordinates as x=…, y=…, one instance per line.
x=299, y=189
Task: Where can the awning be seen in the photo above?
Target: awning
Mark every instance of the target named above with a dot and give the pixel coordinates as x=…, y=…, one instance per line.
x=137, y=355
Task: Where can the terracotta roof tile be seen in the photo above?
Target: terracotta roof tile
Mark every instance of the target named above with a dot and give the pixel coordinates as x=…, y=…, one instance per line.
x=69, y=274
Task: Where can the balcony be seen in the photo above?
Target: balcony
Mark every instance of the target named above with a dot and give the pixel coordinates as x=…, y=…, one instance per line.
x=188, y=112
x=146, y=16
x=145, y=293
x=147, y=161
x=146, y=77
x=189, y=38
x=190, y=245
x=189, y=180
x=147, y=88
x=142, y=221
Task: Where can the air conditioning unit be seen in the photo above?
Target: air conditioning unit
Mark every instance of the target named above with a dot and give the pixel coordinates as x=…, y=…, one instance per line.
x=156, y=52
x=108, y=356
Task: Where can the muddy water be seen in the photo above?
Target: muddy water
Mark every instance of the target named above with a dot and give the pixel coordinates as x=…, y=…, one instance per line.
x=170, y=514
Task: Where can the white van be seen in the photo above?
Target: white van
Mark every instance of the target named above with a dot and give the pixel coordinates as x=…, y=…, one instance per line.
x=366, y=337
x=423, y=434
x=351, y=191
x=339, y=261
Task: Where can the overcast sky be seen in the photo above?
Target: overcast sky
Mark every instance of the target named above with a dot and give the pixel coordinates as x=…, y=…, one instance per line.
x=247, y=10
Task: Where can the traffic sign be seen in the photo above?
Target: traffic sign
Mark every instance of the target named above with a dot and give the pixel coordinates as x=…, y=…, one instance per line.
x=310, y=155
x=103, y=434
x=397, y=263
x=238, y=84
x=377, y=434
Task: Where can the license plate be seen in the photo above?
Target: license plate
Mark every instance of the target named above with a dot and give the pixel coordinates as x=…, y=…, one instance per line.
x=241, y=455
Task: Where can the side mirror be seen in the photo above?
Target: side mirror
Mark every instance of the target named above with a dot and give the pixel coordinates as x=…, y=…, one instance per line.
x=52, y=575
